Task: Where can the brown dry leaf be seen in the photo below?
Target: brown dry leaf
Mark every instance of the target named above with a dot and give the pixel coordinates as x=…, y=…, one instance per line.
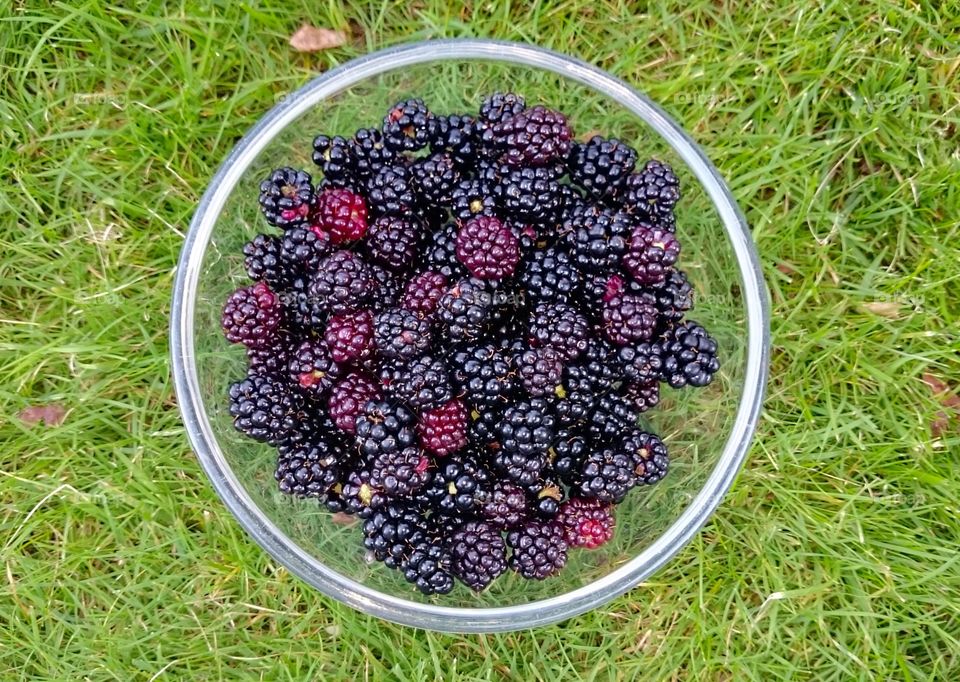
x=51, y=415
x=786, y=268
x=950, y=400
x=312, y=39
x=342, y=519
x=888, y=309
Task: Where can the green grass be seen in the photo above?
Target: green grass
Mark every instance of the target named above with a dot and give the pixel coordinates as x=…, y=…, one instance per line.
x=837, y=127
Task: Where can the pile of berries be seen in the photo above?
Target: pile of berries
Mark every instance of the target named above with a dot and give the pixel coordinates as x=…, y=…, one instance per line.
x=454, y=332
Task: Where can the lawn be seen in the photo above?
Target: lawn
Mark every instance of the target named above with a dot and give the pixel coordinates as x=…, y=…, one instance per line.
x=834, y=556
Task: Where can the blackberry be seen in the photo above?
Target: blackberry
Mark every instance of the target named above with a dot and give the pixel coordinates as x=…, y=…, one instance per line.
x=265, y=408
x=597, y=238
x=369, y=153
x=652, y=193
x=530, y=195
x=384, y=427
x=286, y=197
x=642, y=362
x=390, y=191
x=487, y=248
x=601, y=287
x=576, y=396
x=398, y=333
x=482, y=426
x=401, y=473
x=472, y=198
x=629, y=319
x=393, y=531
x=359, y=495
x=348, y=397
x=458, y=484
x=342, y=283
x=443, y=429
x=303, y=248
x=386, y=292
x=689, y=356
x=649, y=455
x=602, y=365
x=454, y=135
x=428, y=567
x=435, y=177
x=309, y=469
x=607, y=475
x=504, y=505
x=644, y=396
x=343, y=214
x=251, y=316
x=393, y=241
x=550, y=276
x=528, y=428
x=478, y=555
x=567, y=455
x=539, y=550
x=441, y=252
x=263, y=261
x=546, y=495
x=484, y=374
x=423, y=292
x=586, y=522
x=601, y=166
x=674, y=296
x=350, y=336
x=406, y=127
x=541, y=371
x=333, y=155
x=500, y=106
x=650, y=253
x=302, y=308
x=422, y=383
x=273, y=357
x=465, y=307
x=560, y=326
x=312, y=368
x=613, y=415
x=534, y=137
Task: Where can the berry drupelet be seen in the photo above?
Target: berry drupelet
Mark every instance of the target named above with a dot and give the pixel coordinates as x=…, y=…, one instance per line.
x=400, y=334
x=286, y=197
x=601, y=166
x=539, y=549
x=488, y=248
x=478, y=555
x=251, y=316
x=443, y=430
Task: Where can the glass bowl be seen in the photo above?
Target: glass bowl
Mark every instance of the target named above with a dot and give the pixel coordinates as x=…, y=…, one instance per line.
x=708, y=430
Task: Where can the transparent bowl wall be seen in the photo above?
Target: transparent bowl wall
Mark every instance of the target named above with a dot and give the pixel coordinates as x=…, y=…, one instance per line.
x=707, y=430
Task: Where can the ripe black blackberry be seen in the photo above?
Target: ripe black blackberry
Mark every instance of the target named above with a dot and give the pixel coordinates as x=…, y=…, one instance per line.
x=384, y=427
x=455, y=135
x=550, y=276
x=369, y=154
x=390, y=191
x=673, y=297
x=401, y=473
x=600, y=287
x=302, y=249
x=398, y=333
x=601, y=166
x=465, y=308
x=342, y=283
x=472, y=198
x=567, y=454
x=644, y=396
x=393, y=241
x=541, y=371
x=602, y=365
x=576, y=396
x=650, y=253
x=488, y=248
x=443, y=429
x=252, y=316
x=428, y=567
x=441, y=252
x=359, y=495
x=406, y=127
x=504, y=504
x=649, y=454
x=273, y=357
x=286, y=197
x=539, y=549
x=478, y=555
x=386, y=291
x=265, y=408
x=500, y=106
x=311, y=468
x=459, y=484
x=560, y=326
x=597, y=237
x=482, y=426
x=586, y=522
x=607, y=475
x=393, y=531
x=537, y=136
x=263, y=262
x=422, y=383
x=302, y=309
x=530, y=195
x=689, y=355
x=312, y=367
x=347, y=400
x=434, y=178
x=333, y=156
x=484, y=374
x=423, y=292
x=652, y=193
x=629, y=318
x=528, y=428
x=642, y=362
x=546, y=495
x=613, y=415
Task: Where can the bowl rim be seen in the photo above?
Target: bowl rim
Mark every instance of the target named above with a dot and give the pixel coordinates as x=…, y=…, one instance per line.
x=355, y=594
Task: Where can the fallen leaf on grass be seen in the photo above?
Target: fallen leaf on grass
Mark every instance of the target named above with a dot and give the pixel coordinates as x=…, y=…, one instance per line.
x=51, y=415
x=312, y=39
x=949, y=399
x=888, y=309
x=342, y=519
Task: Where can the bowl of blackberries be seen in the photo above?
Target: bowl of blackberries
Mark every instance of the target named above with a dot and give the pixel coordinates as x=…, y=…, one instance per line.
x=469, y=335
